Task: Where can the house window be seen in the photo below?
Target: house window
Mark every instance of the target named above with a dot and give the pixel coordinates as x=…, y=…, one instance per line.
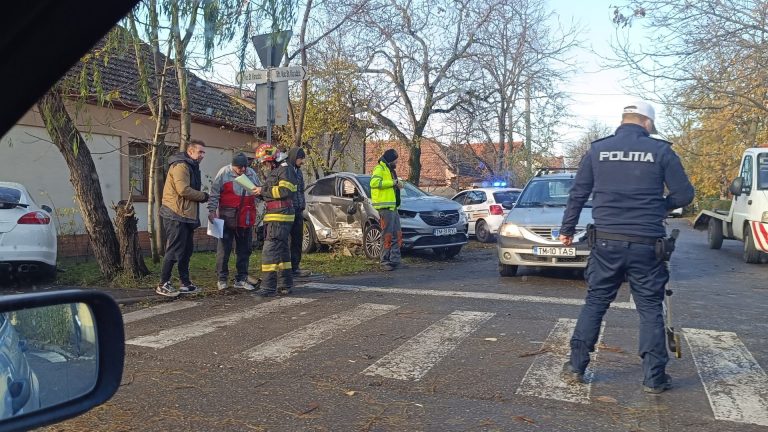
x=138, y=170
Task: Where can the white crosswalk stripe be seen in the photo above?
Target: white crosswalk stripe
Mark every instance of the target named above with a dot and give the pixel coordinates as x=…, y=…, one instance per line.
x=289, y=344
x=543, y=377
x=157, y=310
x=415, y=358
x=736, y=385
x=462, y=294
x=172, y=336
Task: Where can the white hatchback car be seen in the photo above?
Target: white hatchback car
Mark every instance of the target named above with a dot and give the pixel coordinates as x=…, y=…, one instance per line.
x=486, y=209
x=27, y=233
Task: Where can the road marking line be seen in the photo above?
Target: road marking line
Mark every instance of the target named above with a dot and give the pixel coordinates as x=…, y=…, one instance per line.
x=184, y=332
x=157, y=310
x=462, y=294
x=736, y=385
x=413, y=359
x=284, y=347
x=543, y=377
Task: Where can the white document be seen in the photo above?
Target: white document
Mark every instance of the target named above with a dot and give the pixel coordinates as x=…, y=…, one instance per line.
x=245, y=182
x=216, y=228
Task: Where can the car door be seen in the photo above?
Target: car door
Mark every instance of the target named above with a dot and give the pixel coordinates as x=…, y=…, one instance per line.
x=475, y=206
x=741, y=204
x=319, y=207
x=461, y=199
x=347, y=210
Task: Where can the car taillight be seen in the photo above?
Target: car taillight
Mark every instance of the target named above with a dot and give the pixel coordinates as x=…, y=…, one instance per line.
x=34, y=218
x=497, y=210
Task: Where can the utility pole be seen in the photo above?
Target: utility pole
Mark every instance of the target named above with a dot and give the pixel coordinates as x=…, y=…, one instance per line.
x=528, y=135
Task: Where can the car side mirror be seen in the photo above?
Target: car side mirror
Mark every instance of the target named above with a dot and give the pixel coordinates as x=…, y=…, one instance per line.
x=82, y=331
x=352, y=209
x=47, y=209
x=508, y=204
x=358, y=199
x=737, y=186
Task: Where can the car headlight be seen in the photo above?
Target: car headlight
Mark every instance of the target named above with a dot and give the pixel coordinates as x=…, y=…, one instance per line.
x=406, y=214
x=462, y=216
x=765, y=217
x=510, y=230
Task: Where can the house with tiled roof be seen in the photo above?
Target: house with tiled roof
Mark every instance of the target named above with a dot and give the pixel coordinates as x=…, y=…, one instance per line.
x=117, y=134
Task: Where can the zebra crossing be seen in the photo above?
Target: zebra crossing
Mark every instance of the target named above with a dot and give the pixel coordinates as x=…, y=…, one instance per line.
x=734, y=382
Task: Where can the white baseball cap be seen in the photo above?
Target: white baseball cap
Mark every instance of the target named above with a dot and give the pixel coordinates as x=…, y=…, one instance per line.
x=645, y=109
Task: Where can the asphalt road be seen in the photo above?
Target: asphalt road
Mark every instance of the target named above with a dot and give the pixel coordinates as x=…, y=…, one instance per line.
x=395, y=352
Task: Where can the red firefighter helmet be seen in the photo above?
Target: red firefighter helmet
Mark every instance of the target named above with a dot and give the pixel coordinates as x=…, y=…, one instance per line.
x=268, y=153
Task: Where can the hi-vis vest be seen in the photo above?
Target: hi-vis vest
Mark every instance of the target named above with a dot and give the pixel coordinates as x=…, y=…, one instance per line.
x=382, y=188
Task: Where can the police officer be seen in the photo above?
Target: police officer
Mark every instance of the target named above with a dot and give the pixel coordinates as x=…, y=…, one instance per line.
x=626, y=174
x=277, y=192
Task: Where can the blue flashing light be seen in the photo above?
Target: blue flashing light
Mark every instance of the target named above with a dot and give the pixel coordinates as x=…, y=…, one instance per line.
x=496, y=184
x=503, y=184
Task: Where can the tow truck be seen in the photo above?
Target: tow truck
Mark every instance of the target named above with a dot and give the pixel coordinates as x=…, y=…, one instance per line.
x=747, y=218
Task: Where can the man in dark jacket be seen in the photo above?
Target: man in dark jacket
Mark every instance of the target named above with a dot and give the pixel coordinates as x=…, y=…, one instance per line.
x=278, y=193
x=296, y=158
x=180, y=213
x=626, y=173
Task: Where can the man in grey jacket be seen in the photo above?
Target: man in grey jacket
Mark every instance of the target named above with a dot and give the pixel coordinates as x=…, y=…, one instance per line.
x=296, y=158
x=231, y=201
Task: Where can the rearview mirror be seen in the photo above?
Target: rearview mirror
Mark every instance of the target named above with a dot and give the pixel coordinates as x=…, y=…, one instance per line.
x=358, y=199
x=352, y=209
x=508, y=204
x=61, y=353
x=47, y=209
x=737, y=186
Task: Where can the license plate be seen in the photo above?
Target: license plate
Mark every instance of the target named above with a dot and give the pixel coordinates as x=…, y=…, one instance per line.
x=445, y=231
x=554, y=251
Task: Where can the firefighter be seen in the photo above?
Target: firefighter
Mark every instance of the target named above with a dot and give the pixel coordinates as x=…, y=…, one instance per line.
x=278, y=192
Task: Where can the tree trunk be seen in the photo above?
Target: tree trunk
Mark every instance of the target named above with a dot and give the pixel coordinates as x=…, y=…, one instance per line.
x=185, y=117
x=84, y=179
x=128, y=233
x=415, y=163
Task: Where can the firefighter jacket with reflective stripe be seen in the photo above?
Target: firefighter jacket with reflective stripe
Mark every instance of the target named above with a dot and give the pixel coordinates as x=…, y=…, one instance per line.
x=383, y=188
x=280, y=186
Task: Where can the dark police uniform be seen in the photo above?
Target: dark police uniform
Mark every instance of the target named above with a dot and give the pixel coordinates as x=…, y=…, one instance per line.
x=627, y=173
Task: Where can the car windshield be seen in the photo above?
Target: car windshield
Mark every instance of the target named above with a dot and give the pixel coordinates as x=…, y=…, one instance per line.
x=506, y=196
x=547, y=193
x=762, y=171
x=409, y=191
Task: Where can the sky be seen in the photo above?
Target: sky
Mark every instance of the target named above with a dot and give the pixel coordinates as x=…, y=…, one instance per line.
x=597, y=92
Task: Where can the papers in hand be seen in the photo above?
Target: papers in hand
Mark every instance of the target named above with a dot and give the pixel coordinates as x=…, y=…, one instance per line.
x=245, y=182
x=216, y=228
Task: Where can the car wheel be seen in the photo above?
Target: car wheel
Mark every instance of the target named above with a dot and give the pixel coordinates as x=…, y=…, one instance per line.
x=482, y=232
x=751, y=254
x=507, y=270
x=715, y=233
x=308, y=240
x=372, y=241
x=445, y=253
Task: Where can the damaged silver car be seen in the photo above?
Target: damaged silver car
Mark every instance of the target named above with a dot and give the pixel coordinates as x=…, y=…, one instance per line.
x=339, y=210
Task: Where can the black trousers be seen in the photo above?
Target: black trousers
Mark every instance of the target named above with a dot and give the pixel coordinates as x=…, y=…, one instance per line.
x=276, y=257
x=178, y=249
x=242, y=238
x=297, y=238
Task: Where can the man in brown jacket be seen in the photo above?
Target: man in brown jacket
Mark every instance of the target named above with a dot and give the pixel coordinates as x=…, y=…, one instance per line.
x=181, y=215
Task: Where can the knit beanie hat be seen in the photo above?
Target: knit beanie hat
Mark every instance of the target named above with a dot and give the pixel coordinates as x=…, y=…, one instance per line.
x=240, y=160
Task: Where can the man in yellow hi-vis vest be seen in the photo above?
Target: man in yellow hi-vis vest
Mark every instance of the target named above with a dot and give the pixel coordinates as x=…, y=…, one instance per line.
x=278, y=192
x=385, y=194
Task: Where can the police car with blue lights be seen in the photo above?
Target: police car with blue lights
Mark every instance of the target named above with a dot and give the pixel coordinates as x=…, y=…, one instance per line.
x=529, y=234
x=486, y=208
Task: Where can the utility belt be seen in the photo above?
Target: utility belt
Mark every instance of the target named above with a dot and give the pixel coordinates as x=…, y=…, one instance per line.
x=278, y=204
x=664, y=246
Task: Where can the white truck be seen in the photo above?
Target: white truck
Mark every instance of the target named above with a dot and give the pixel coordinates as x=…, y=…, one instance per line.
x=747, y=219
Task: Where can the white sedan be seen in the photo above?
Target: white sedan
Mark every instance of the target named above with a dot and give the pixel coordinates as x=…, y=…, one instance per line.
x=27, y=233
x=486, y=209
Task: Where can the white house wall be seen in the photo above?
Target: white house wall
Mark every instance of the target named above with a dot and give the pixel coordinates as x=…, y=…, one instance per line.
x=27, y=156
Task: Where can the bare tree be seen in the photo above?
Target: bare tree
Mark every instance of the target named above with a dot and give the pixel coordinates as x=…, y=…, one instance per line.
x=575, y=151
x=410, y=51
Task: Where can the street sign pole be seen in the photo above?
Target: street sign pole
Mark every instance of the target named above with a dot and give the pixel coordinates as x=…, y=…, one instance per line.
x=270, y=101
